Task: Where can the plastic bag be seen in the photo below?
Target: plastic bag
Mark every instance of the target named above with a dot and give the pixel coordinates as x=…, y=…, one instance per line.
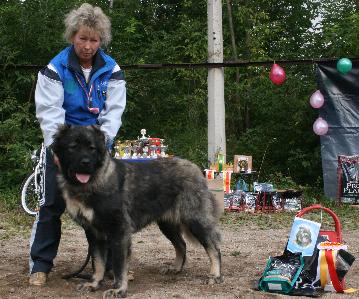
x=281, y=273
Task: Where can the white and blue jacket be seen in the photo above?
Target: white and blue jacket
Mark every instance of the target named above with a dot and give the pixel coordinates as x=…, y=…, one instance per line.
x=63, y=97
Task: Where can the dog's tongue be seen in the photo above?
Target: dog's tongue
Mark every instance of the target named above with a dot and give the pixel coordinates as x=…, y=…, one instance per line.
x=82, y=178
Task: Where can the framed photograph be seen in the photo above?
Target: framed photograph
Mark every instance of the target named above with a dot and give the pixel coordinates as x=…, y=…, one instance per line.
x=242, y=163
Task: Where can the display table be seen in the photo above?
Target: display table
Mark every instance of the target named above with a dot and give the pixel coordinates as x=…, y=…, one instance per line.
x=263, y=201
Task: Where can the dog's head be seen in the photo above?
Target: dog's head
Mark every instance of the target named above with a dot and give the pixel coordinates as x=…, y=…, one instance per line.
x=80, y=151
x=303, y=236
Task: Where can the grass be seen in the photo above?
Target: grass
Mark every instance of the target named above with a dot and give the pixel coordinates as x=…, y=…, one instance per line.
x=14, y=221
x=259, y=220
x=347, y=215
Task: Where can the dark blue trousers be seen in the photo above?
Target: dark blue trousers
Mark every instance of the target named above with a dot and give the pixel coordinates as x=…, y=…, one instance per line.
x=46, y=231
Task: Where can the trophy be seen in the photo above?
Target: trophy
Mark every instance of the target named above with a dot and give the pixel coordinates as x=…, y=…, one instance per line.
x=163, y=151
x=153, y=149
x=117, y=154
x=117, y=150
x=143, y=133
x=127, y=151
x=143, y=147
x=145, y=152
x=135, y=149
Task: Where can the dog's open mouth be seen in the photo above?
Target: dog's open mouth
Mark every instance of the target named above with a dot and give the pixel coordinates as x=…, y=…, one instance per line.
x=82, y=177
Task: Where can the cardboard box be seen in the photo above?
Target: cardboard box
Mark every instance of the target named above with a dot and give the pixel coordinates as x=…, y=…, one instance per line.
x=242, y=163
x=216, y=187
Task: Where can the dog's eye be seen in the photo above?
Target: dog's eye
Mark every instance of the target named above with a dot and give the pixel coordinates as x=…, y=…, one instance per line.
x=72, y=146
x=92, y=148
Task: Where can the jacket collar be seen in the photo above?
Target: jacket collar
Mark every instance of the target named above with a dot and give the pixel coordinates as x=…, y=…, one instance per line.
x=73, y=62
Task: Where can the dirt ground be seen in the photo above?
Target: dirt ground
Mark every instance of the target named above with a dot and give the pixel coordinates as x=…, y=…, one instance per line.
x=244, y=254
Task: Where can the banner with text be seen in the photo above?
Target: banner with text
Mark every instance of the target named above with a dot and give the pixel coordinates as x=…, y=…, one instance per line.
x=348, y=179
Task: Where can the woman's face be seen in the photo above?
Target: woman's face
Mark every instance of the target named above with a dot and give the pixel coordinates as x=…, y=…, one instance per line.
x=86, y=43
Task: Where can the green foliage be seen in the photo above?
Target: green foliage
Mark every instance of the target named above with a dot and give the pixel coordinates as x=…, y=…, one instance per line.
x=18, y=131
x=13, y=220
x=18, y=136
x=339, y=28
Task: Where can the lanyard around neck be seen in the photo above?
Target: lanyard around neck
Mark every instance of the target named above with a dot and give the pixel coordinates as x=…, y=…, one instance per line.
x=93, y=110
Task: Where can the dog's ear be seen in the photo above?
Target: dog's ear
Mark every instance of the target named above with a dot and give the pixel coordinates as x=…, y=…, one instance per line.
x=62, y=130
x=99, y=133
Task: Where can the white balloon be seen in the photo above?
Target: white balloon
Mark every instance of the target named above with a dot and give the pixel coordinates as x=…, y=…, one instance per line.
x=317, y=99
x=320, y=126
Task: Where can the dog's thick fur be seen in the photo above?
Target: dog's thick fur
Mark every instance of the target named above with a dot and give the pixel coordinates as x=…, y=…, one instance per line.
x=112, y=199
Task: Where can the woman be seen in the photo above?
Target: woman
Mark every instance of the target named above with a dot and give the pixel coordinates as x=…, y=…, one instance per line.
x=80, y=86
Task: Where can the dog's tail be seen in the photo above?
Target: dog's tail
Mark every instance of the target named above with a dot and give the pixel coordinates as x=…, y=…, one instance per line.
x=77, y=274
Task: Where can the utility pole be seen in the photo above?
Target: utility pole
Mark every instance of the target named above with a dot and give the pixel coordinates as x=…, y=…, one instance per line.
x=215, y=82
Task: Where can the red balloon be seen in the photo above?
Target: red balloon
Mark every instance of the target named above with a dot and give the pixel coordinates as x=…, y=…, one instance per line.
x=277, y=74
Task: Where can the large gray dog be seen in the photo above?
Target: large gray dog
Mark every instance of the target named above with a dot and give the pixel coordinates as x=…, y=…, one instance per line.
x=112, y=199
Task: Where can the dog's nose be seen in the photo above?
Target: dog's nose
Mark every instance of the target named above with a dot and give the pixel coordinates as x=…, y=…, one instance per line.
x=85, y=162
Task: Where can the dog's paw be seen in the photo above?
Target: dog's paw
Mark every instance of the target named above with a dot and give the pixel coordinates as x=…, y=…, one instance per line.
x=215, y=279
x=88, y=286
x=114, y=293
x=131, y=276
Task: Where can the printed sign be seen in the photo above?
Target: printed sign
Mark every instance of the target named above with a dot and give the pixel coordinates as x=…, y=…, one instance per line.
x=348, y=179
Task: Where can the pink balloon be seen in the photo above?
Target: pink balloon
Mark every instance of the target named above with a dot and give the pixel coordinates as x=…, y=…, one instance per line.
x=320, y=126
x=317, y=99
x=277, y=74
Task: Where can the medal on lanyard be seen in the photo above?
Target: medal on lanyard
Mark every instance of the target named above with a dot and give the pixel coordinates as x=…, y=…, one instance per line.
x=93, y=110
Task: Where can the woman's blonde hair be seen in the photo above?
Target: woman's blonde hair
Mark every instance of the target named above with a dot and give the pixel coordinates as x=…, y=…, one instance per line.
x=90, y=16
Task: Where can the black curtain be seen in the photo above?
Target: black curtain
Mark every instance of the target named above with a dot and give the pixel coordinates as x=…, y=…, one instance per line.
x=341, y=111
